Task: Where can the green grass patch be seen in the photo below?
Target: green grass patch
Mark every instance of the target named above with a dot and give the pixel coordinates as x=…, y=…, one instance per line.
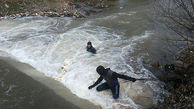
x=13, y=7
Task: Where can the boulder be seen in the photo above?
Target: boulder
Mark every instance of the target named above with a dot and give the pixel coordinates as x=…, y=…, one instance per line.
x=6, y=6
x=139, y=93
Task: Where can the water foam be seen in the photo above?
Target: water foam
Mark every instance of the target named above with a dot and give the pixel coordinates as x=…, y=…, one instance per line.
x=47, y=50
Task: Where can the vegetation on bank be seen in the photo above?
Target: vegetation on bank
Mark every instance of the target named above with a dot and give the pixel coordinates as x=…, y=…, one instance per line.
x=178, y=16
x=51, y=8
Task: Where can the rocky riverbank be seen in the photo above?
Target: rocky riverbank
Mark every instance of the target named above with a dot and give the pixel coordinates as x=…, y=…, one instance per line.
x=179, y=80
x=51, y=8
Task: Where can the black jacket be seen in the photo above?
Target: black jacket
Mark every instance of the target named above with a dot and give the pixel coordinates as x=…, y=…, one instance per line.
x=109, y=78
x=91, y=49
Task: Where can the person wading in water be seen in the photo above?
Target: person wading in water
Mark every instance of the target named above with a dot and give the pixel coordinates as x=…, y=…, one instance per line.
x=90, y=48
x=111, y=79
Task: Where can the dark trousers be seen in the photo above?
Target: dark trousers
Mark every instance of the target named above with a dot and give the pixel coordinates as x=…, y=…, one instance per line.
x=115, y=89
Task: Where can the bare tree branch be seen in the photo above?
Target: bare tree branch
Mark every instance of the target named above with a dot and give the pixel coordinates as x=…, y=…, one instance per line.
x=178, y=16
x=185, y=8
x=192, y=4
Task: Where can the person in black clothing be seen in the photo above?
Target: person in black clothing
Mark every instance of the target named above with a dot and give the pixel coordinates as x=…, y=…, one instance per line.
x=90, y=48
x=111, y=80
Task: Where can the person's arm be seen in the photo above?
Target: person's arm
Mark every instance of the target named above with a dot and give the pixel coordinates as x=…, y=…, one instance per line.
x=96, y=83
x=124, y=77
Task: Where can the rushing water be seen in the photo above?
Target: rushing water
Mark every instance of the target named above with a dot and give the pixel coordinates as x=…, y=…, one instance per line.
x=121, y=35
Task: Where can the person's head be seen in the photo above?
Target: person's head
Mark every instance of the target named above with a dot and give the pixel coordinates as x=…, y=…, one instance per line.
x=89, y=44
x=100, y=70
x=169, y=67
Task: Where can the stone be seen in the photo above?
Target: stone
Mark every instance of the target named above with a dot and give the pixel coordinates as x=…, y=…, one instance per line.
x=100, y=5
x=95, y=10
x=80, y=5
x=6, y=5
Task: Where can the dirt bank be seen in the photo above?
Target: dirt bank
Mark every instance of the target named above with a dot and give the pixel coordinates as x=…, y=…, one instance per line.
x=179, y=80
x=52, y=8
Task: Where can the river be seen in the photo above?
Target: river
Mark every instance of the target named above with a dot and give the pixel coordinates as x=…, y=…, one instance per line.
x=123, y=35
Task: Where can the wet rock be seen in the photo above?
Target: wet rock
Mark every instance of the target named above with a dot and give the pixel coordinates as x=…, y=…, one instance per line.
x=179, y=82
x=80, y=5
x=35, y=14
x=180, y=64
x=66, y=13
x=51, y=14
x=139, y=93
x=45, y=9
x=83, y=14
x=181, y=96
x=86, y=10
x=6, y=6
x=23, y=14
x=41, y=13
x=18, y=15
x=100, y=6
x=96, y=10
